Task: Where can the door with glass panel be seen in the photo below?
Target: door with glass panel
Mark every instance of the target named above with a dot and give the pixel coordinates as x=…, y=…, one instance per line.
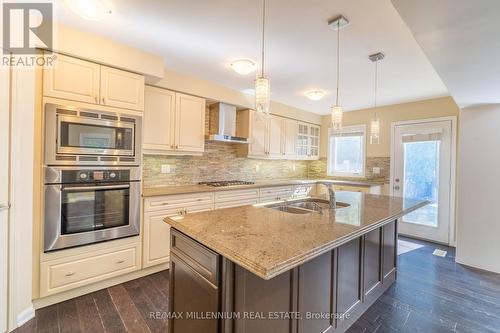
x=422, y=169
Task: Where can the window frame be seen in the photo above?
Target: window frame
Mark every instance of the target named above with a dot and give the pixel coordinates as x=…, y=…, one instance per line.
x=331, y=152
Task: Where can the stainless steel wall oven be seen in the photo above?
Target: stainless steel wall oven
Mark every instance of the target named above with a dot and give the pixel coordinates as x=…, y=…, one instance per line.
x=90, y=205
x=92, y=184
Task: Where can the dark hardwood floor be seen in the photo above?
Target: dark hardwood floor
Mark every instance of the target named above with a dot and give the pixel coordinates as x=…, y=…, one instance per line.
x=432, y=294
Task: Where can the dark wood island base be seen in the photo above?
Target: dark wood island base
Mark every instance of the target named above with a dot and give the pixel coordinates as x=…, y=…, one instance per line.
x=209, y=293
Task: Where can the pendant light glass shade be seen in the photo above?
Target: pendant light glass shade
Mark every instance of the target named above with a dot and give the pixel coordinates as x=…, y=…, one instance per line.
x=375, y=131
x=375, y=123
x=336, y=111
x=262, y=94
x=262, y=84
x=337, y=114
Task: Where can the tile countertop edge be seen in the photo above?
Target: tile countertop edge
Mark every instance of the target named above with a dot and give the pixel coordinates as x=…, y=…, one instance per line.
x=291, y=263
x=154, y=191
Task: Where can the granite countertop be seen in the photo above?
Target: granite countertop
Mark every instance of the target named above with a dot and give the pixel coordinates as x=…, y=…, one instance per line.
x=184, y=189
x=268, y=242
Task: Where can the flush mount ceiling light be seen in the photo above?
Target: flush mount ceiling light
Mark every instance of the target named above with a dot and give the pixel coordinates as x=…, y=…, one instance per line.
x=375, y=123
x=336, y=123
x=262, y=85
x=90, y=9
x=315, y=95
x=243, y=66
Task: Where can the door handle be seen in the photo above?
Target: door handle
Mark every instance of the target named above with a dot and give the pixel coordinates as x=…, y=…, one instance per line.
x=4, y=206
x=93, y=188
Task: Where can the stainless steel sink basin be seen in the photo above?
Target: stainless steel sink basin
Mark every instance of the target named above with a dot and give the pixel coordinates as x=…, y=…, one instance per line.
x=305, y=206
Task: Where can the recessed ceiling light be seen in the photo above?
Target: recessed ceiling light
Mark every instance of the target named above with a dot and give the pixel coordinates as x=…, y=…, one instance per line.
x=90, y=9
x=243, y=66
x=315, y=95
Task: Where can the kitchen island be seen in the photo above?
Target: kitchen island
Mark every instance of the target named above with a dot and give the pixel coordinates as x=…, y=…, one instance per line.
x=261, y=268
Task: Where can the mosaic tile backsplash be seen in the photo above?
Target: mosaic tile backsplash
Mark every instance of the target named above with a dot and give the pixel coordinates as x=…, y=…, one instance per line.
x=317, y=169
x=220, y=162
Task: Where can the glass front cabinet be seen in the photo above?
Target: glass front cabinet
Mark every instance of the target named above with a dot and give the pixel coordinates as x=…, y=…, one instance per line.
x=308, y=141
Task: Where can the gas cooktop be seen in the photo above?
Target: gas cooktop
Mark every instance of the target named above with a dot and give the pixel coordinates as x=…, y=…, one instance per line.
x=226, y=183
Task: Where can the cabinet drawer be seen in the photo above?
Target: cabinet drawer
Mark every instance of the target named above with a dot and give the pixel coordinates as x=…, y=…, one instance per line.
x=199, y=257
x=265, y=191
x=275, y=193
x=178, y=201
x=352, y=188
x=235, y=195
x=68, y=273
x=238, y=203
x=304, y=190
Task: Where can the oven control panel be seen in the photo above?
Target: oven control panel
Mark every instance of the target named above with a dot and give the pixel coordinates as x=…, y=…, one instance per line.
x=95, y=176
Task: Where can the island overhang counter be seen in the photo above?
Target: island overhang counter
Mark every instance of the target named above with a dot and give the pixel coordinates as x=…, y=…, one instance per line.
x=257, y=269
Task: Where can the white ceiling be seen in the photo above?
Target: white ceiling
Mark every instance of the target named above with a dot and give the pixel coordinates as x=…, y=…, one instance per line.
x=201, y=37
x=461, y=39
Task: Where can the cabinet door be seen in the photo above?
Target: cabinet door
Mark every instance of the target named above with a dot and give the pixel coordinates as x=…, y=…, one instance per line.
x=314, y=142
x=122, y=89
x=275, y=148
x=189, y=123
x=303, y=141
x=158, y=133
x=258, y=134
x=72, y=79
x=290, y=138
x=156, y=239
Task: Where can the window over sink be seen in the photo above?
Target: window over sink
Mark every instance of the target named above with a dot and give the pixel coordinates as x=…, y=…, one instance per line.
x=347, y=152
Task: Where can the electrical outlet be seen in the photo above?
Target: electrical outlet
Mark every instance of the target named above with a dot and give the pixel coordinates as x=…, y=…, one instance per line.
x=376, y=171
x=257, y=168
x=165, y=168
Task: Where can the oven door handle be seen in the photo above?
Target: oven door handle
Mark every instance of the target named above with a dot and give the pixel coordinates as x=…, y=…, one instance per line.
x=92, y=188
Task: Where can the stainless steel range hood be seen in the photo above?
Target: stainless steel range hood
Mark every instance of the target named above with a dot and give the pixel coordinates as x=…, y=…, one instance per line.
x=222, y=124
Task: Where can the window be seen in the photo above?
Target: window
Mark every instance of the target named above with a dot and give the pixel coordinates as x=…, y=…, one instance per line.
x=346, y=152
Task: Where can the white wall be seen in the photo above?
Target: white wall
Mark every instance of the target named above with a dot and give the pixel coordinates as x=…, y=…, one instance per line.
x=478, y=227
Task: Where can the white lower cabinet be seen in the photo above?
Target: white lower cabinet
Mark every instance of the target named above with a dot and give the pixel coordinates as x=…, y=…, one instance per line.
x=275, y=193
x=236, y=198
x=67, y=273
x=156, y=241
x=305, y=190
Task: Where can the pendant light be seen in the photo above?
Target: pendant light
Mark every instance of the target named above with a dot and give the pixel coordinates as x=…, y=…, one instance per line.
x=336, y=111
x=262, y=84
x=375, y=123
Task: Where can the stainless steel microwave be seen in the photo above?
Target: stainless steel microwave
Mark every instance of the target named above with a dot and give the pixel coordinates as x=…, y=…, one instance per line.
x=79, y=136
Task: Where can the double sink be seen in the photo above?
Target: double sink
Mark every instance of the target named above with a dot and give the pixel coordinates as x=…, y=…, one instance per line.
x=305, y=206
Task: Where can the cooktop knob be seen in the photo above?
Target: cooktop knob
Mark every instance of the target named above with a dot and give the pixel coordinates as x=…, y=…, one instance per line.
x=83, y=176
x=112, y=175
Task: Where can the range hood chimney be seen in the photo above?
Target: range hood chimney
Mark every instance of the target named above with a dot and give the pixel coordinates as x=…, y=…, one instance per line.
x=222, y=124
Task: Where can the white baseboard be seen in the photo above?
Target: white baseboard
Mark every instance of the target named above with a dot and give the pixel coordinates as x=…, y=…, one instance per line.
x=25, y=316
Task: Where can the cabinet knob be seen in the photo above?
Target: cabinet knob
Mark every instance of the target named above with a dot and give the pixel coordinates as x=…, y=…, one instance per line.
x=121, y=261
x=70, y=274
x=96, y=100
x=104, y=100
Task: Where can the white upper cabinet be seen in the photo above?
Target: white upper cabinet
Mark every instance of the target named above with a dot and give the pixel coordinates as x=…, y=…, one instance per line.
x=290, y=138
x=122, y=89
x=258, y=129
x=84, y=81
x=159, y=116
x=275, y=137
x=73, y=79
x=174, y=123
x=308, y=141
x=190, y=123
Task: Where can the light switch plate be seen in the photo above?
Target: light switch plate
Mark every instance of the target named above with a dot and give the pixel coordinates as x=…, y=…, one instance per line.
x=165, y=168
x=376, y=171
